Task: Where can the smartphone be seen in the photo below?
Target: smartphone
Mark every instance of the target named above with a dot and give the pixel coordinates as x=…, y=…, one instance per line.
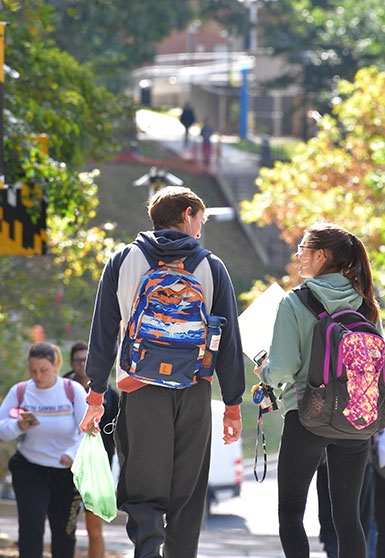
x=260, y=357
x=29, y=416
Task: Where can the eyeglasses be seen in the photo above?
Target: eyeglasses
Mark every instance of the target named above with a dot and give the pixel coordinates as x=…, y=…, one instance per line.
x=301, y=247
x=79, y=360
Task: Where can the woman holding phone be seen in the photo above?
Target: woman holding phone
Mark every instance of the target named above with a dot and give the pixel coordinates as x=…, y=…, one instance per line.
x=335, y=266
x=43, y=415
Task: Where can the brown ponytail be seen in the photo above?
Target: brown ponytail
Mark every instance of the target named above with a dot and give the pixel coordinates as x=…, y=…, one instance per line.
x=348, y=257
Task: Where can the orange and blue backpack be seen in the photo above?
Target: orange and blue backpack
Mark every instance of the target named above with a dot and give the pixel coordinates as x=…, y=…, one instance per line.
x=166, y=337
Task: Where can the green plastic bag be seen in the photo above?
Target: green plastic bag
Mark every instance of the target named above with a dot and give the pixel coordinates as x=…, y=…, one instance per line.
x=93, y=477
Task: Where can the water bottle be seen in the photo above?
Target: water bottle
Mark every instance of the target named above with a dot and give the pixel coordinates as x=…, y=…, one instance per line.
x=214, y=332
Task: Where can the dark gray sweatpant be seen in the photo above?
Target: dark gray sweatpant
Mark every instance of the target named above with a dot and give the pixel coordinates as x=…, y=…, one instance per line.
x=163, y=440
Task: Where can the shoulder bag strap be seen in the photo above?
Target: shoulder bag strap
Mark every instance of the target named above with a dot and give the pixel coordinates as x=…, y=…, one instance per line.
x=69, y=389
x=310, y=301
x=192, y=262
x=20, y=391
x=152, y=262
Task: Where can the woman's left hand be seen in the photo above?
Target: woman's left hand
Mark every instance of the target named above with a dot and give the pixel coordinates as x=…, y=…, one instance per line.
x=257, y=369
x=66, y=460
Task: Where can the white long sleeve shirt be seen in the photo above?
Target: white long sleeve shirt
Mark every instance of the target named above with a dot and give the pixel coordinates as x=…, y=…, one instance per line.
x=58, y=430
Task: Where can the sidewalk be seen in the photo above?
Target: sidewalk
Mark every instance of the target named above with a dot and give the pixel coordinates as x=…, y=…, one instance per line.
x=238, y=527
x=224, y=536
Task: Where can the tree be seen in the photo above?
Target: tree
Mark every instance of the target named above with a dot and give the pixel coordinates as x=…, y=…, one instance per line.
x=55, y=94
x=326, y=39
x=338, y=176
x=114, y=37
x=233, y=16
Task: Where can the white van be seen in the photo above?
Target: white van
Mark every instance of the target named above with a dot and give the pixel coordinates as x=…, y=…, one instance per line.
x=226, y=467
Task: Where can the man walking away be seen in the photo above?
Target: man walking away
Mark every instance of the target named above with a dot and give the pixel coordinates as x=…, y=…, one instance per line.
x=162, y=434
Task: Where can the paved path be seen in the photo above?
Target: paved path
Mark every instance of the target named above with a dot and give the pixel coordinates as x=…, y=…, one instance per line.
x=224, y=536
x=245, y=526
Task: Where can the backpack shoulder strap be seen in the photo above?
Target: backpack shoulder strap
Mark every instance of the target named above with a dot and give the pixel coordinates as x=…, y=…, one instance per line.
x=192, y=262
x=310, y=301
x=189, y=264
x=152, y=262
x=364, y=310
x=22, y=386
x=69, y=389
x=20, y=391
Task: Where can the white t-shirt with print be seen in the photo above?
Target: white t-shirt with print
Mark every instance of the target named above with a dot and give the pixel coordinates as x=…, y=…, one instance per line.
x=58, y=430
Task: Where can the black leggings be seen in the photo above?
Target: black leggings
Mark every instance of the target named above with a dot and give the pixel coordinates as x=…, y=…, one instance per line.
x=299, y=456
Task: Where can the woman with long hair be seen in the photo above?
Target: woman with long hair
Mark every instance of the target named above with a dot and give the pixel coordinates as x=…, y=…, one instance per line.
x=335, y=266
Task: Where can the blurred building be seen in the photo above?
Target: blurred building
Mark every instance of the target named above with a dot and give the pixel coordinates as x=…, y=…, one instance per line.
x=203, y=64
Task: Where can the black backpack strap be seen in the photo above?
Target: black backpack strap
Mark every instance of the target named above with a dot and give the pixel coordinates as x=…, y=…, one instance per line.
x=152, y=262
x=192, y=262
x=189, y=264
x=364, y=310
x=310, y=301
x=316, y=307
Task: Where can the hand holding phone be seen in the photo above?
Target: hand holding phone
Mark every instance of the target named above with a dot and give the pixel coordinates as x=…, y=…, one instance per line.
x=28, y=420
x=259, y=360
x=260, y=357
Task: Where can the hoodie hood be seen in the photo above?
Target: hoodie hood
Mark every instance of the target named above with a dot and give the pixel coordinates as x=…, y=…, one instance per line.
x=167, y=245
x=335, y=292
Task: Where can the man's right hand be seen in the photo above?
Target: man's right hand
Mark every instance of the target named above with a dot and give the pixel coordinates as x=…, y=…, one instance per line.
x=231, y=430
x=91, y=419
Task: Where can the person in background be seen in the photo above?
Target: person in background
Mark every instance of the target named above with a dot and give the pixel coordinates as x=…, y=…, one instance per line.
x=94, y=523
x=336, y=269
x=163, y=434
x=187, y=118
x=48, y=439
x=206, y=133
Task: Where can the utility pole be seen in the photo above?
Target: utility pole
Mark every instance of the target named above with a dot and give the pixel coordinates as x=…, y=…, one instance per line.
x=244, y=105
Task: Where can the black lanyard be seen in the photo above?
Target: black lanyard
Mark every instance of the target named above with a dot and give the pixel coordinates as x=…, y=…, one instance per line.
x=260, y=431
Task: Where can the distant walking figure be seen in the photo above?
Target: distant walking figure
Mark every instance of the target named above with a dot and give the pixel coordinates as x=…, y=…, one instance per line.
x=187, y=118
x=206, y=133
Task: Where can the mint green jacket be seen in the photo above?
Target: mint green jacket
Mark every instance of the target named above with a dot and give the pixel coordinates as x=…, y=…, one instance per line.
x=289, y=353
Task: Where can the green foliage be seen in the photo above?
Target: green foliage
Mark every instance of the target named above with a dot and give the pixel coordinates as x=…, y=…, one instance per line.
x=54, y=94
x=114, y=37
x=233, y=16
x=337, y=176
x=326, y=40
